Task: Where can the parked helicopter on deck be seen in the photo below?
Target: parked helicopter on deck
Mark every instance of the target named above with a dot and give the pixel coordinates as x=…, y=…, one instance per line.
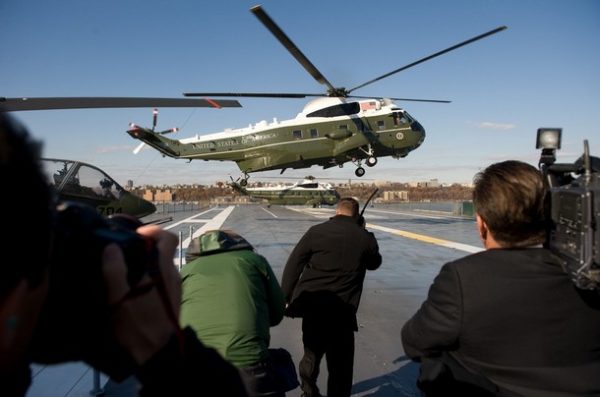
x=87, y=184
x=329, y=131
x=306, y=192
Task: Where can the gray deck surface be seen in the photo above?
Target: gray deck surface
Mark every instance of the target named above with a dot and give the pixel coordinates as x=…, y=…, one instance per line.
x=391, y=294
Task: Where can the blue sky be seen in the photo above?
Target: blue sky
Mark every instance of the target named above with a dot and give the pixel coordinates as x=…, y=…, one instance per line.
x=541, y=72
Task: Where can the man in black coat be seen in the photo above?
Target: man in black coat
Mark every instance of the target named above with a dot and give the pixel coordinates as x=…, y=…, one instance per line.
x=507, y=320
x=322, y=282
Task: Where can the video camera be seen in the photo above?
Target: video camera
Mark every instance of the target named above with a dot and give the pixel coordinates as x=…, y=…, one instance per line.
x=574, y=195
x=75, y=322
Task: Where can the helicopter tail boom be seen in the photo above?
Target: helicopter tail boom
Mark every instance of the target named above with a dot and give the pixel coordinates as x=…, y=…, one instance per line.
x=155, y=140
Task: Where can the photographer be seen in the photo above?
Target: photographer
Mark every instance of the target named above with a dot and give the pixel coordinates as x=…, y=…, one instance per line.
x=508, y=320
x=140, y=335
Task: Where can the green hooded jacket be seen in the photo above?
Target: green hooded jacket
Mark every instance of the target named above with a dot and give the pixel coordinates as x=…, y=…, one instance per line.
x=230, y=297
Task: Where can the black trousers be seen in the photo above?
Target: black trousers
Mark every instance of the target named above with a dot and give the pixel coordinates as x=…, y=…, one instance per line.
x=260, y=381
x=334, y=340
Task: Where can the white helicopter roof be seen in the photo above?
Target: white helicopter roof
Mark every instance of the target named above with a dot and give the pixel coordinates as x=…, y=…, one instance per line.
x=320, y=103
x=366, y=105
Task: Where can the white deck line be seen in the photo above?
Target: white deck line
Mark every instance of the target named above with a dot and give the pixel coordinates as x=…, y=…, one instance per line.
x=427, y=239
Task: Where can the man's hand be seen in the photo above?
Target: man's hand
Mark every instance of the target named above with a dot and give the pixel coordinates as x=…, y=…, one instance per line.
x=140, y=320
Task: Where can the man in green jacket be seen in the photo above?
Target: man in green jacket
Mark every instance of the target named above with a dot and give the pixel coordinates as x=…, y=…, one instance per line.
x=230, y=298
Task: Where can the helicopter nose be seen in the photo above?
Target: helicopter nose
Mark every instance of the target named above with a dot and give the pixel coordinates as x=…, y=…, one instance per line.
x=147, y=207
x=419, y=131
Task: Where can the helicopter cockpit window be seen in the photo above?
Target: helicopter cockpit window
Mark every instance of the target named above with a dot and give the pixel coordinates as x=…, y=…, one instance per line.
x=400, y=118
x=56, y=170
x=408, y=117
x=97, y=184
x=344, y=109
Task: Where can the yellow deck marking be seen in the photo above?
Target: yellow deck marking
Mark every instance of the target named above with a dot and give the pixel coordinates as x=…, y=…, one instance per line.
x=426, y=239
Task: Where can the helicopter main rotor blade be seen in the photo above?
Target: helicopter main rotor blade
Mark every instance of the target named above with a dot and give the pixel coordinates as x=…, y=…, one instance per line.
x=251, y=94
x=298, y=95
x=401, y=99
x=454, y=47
x=47, y=103
x=290, y=46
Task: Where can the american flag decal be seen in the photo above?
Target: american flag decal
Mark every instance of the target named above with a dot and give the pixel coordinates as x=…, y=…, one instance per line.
x=368, y=105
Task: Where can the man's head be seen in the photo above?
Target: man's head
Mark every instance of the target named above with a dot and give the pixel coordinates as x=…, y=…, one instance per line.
x=509, y=201
x=216, y=241
x=347, y=206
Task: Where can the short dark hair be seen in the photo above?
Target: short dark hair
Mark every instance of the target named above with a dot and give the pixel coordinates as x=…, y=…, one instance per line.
x=510, y=197
x=26, y=202
x=349, y=206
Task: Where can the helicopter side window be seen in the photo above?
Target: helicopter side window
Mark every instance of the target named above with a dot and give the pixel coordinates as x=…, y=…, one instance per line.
x=314, y=133
x=297, y=134
x=56, y=170
x=409, y=119
x=97, y=184
x=399, y=118
x=344, y=109
x=380, y=124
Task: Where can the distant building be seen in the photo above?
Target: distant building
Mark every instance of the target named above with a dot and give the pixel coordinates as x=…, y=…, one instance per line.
x=129, y=185
x=164, y=195
x=398, y=195
x=429, y=183
x=148, y=195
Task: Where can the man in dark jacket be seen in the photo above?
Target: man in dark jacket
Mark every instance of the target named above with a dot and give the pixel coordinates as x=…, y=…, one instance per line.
x=507, y=320
x=322, y=282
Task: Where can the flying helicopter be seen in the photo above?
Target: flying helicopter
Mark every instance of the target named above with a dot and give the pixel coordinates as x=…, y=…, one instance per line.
x=306, y=192
x=328, y=132
x=88, y=184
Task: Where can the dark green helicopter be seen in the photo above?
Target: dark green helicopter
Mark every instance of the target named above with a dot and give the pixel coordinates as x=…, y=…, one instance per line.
x=331, y=130
x=306, y=192
x=84, y=183
x=87, y=184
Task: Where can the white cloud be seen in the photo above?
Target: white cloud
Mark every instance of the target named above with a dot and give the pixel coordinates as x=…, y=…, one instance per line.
x=495, y=126
x=112, y=149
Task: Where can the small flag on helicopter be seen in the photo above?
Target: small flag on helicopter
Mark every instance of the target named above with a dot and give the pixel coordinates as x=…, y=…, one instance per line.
x=368, y=105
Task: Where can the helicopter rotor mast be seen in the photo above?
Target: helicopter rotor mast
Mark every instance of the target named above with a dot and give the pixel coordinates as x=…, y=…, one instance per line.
x=332, y=91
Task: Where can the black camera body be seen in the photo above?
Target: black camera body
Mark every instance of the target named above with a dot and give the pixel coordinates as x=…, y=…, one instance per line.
x=75, y=323
x=574, y=212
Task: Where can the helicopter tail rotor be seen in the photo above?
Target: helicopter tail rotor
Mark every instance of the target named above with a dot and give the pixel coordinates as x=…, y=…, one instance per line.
x=154, y=122
x=139, y=148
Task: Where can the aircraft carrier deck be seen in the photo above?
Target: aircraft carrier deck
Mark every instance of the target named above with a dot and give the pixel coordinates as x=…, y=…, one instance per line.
x=414, y=245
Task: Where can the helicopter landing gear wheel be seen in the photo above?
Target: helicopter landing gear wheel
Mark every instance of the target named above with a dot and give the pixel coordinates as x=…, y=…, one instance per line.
x=371, y=161
x=360, y=171
x=244, y=181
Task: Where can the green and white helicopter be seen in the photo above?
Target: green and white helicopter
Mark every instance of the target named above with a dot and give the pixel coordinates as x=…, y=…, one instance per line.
x=306, y=192
x=328, y=132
